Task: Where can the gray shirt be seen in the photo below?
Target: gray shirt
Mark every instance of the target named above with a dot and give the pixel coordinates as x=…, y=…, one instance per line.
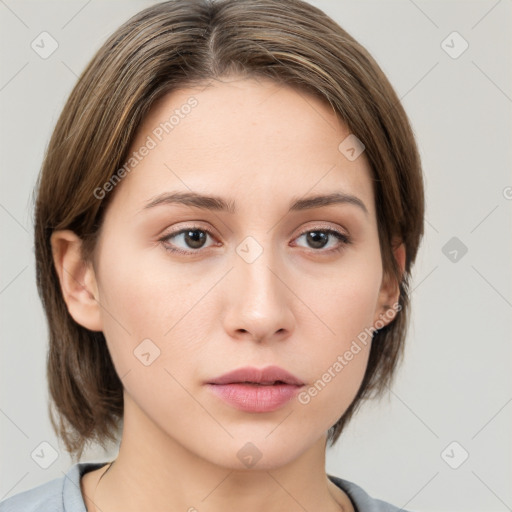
x=64, y=494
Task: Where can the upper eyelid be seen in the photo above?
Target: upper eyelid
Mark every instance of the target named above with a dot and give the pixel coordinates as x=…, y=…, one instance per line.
x=212, y=232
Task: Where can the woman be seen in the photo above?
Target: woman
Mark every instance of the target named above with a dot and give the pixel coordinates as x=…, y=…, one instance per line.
x=226, y=221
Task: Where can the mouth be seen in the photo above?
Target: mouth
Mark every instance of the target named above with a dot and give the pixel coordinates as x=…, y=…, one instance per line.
x=253, y=390
x=268, y=376
x=255, y=397
x=277, y=382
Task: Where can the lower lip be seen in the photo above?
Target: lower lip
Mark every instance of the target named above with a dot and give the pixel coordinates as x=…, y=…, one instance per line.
x=253, y=398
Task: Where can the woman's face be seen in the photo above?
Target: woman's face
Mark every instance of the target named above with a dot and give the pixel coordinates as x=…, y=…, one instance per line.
x=260, y=283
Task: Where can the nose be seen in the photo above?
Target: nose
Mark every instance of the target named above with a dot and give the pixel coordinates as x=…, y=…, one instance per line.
x=259, y=303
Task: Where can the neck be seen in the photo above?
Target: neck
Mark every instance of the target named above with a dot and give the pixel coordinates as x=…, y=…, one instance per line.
x=154, y=472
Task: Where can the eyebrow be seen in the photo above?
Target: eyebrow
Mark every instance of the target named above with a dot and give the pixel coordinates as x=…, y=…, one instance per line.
x=217, y=203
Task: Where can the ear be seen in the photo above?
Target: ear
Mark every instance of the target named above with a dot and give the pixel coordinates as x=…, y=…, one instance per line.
x=77, y=279
x=389, y=290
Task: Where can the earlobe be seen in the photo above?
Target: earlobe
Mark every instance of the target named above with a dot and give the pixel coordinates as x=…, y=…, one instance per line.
x=389, y=294
x=77, y=279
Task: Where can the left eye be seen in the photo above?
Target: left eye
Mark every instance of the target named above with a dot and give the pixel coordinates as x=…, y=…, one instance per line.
x=195, y=238
x=318, y=238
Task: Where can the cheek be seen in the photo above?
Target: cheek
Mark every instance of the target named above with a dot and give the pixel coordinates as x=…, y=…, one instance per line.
x=338, y=361
x=352, y=304
x=346, y=298
x=149, y=334
x=144, y=298
x=347, y=303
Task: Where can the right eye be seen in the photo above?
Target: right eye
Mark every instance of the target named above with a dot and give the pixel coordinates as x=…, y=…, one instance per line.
x=193, y=236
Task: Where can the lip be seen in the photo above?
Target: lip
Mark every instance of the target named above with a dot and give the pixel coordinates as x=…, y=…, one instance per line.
x=267, y=375
x=256, y=390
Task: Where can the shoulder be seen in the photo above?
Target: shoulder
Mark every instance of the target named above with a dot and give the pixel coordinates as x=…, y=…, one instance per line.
x=61, y=494
x=362, y=501
x=47, y=496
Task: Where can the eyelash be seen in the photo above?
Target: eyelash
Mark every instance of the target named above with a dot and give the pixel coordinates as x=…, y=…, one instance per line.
x=344, y=239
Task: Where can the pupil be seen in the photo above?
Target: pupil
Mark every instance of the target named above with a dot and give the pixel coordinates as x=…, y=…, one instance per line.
x=314, y=235
x=197, y=239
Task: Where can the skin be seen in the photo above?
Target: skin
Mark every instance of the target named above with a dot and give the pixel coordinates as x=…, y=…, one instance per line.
x=296, y=305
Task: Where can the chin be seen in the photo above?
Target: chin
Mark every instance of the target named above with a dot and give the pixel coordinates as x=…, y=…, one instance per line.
x=258, y=450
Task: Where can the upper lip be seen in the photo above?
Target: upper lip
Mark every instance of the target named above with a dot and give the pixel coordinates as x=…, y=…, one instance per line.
x=267, y=375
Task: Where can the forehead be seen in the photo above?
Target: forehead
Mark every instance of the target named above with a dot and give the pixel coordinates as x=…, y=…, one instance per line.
x=248, y=138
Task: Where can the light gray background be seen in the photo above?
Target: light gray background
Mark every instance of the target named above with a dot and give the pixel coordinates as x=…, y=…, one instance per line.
x=455, y=383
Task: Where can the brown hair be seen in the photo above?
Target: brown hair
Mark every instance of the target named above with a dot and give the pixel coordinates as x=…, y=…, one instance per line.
x=183, y=43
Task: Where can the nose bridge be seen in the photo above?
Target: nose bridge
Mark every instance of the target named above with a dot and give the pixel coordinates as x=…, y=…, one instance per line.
x=255, y=266
x=258, y=301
